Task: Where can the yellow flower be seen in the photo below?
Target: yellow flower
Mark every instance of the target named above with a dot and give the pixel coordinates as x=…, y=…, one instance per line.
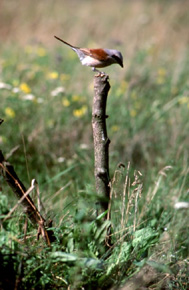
x=161, y=76
x=160, y=80
x=152, y=50
x=28, y=49
x=53, y=75
x=133, y=113
x=124, y=85
x=184, y=100
x=3, y=139
x=162, y=72
x=41, y=51
x=64, y=77
x=25, y=88
x=122, y=89
x=174, y=90
x=9, y=112
x=36, y=68
x=50, y=123
x=15, y=82
x=80, y=112
x=65, y=102
x=115, y=128
x=77, y=98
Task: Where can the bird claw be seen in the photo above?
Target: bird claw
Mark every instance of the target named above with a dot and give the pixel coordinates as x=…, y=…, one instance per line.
x=100, y=73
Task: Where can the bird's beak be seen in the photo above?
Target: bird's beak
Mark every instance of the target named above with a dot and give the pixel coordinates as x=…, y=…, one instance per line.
x=119, y=61
x=121, y=64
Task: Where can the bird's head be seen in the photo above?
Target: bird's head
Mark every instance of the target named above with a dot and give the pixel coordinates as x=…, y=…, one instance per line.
x=116, y=56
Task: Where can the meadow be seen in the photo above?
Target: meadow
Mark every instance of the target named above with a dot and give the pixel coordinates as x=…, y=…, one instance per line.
x=45, y=102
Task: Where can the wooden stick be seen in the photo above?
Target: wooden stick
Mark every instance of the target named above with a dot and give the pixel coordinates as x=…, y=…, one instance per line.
x=8, y=173
x=101, y=140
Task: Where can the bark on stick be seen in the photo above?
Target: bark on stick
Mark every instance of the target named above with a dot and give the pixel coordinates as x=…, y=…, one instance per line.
x=101, y=140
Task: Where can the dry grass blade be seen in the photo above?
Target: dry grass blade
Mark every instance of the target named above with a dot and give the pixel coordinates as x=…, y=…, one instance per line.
x=13, y=150
x=33, y=184
x=124, y=195
x=138, y=194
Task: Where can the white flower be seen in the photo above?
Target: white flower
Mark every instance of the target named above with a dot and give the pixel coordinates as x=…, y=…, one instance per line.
x=84, y=146
x=16, y=90
x=60, y=159
x=181, y=204
x=28, y=97
x=40, y=100
x=5, y=86
x=57, y=91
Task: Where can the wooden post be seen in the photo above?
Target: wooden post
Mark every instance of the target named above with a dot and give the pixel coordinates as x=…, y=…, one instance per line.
x=101, y=140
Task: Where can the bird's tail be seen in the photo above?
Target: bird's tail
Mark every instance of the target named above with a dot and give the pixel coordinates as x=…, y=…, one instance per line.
x=65, y=42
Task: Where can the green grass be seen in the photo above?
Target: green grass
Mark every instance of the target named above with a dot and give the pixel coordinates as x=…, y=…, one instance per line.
x=148, y=126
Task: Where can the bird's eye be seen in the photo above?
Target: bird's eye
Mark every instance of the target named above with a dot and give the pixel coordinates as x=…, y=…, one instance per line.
x=118, y=60
x=116, y=57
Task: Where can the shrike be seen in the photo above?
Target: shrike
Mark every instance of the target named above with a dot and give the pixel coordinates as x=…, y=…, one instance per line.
x=96, y=57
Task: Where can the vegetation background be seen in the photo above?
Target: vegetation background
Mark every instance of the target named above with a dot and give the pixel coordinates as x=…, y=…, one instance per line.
x=45, y=100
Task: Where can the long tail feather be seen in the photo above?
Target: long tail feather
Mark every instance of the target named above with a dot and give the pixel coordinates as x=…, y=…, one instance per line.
x=65, y=42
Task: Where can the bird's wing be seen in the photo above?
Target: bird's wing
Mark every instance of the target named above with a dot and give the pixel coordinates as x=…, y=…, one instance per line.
x=97, y=53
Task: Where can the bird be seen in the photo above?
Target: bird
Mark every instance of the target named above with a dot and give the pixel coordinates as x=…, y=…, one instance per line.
x=96, y=57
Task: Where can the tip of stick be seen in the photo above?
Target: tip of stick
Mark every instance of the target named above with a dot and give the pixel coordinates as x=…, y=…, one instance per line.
x=102, y=76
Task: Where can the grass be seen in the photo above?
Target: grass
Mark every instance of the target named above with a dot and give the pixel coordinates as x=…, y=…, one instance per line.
x=46, y=101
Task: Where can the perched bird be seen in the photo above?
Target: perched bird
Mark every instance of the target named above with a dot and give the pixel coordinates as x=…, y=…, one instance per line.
x=96, y=57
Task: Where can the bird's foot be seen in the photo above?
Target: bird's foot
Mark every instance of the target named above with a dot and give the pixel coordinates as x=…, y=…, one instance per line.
x=100, y=73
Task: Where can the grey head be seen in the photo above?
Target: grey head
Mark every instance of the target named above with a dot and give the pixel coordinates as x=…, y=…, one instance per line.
x=115, y=55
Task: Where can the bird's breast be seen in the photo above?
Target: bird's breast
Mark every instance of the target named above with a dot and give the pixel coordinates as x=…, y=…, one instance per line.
x=90, y=61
